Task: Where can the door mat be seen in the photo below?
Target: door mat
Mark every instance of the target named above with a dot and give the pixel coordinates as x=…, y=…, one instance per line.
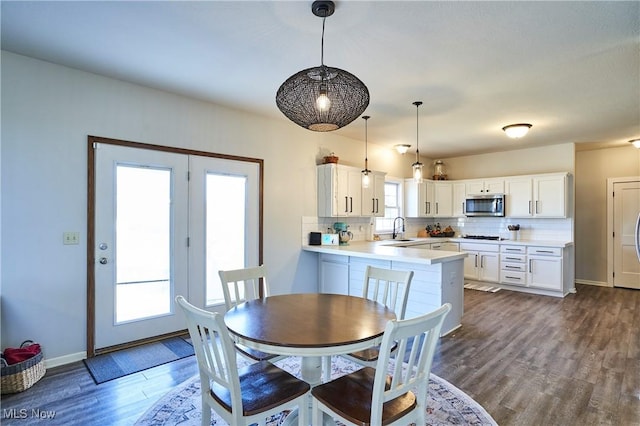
x=128, y=361
x=481, y=287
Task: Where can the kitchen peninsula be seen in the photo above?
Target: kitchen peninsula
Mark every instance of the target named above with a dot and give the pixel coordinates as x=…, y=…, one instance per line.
x=438, y=275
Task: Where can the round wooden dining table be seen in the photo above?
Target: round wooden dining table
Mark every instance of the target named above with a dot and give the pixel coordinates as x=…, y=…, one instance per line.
x=309, y=325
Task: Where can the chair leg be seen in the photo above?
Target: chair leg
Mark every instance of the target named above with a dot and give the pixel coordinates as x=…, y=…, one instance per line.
x=303, y=411
x=206, y=414
x=326, y=369
x=316, y=413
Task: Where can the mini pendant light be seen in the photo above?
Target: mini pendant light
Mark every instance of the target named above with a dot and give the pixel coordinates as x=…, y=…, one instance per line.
x=366, y=172
x=417, y=166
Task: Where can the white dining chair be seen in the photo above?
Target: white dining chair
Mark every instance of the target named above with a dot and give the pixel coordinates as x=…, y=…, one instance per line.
x=240, y=285
x=242, y=396
x=376, y=397
x=390, y=288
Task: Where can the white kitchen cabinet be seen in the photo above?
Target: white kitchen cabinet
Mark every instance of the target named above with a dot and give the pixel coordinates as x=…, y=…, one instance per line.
x=373, y=196
x=545, y=268
x=518, y=196
x=484, y=186
x=513, y=265
x=333, y=274
x=550, y=196
x=339, y=191
x=446, y=246
x=418, y=198
x=459, y=196
x=442, y=199
x=482, y=262
x=538, y=196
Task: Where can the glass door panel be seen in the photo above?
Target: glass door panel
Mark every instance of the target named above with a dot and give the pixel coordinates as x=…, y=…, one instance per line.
x=143, y=243
x=225, y=229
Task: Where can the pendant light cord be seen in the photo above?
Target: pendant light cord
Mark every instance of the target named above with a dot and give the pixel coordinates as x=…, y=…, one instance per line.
x=322, y=42
x=417, y=136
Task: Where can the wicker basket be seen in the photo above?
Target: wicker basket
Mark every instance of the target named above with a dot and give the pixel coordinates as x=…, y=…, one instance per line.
x=21, y=376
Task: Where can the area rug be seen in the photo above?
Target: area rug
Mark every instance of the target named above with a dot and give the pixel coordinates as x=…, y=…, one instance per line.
x=481, y=287
x=446, y=404
x=128, y=361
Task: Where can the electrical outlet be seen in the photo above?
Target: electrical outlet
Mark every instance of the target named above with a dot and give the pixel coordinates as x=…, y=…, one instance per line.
x=69, y=238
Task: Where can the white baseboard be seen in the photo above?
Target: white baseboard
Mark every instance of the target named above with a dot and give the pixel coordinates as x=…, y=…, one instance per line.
x=65, y=359
x=596, y=283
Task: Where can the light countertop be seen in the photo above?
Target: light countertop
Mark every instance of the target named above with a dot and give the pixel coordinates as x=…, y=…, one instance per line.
x=382, y=250
x=402, y=251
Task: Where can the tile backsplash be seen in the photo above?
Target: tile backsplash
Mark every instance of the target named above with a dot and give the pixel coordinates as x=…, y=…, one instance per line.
x=530, y=229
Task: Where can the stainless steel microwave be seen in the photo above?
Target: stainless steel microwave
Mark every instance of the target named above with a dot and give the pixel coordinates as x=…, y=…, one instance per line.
x=484, y=205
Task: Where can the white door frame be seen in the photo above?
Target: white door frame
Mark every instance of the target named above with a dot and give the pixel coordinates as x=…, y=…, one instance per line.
x=610, y=225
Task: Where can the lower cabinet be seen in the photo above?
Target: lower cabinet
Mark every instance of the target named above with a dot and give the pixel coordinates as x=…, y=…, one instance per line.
x=513, y=265
x=333, y=274
x=545, y=268
x=482, y=262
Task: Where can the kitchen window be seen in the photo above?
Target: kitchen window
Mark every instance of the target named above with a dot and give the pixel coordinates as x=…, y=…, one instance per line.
x=392, y=205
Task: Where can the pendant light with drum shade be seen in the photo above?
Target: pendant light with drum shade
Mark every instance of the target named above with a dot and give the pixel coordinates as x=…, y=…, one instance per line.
x=322, y=98
x=417, y=166
x=366, y=172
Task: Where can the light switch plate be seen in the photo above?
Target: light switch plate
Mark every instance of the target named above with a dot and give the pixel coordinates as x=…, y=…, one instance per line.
x=330, y=239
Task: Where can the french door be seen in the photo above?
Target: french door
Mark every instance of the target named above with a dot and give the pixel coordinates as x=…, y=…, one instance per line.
x=164, y=222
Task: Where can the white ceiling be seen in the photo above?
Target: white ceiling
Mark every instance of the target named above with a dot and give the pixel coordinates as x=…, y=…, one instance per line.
x=572, y=69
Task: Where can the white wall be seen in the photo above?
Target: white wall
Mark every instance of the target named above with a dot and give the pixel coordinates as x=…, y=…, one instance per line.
x=48, y=111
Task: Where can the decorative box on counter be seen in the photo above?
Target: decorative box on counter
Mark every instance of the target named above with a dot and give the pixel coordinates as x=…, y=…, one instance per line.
x=330, y=239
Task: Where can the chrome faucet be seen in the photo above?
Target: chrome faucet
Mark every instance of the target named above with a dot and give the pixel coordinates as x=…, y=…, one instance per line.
x=395, y=234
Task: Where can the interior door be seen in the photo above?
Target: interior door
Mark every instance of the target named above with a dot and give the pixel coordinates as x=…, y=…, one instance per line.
x=141, y=230
x=626, y=207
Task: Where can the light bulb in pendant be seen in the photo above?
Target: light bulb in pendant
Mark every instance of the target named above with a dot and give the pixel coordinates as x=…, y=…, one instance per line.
x=417, y=172
x=322, y=101
x=365, y=179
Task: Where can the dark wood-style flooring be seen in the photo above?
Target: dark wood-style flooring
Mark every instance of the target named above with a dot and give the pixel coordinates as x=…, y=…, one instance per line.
x=527, y=359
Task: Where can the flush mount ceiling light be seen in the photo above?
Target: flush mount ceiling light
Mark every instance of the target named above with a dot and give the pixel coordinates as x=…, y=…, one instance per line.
x=366, y=172
x=417, y=166
x=635, y=142
x=322, y=98
x=516, y=131
x=402, y=148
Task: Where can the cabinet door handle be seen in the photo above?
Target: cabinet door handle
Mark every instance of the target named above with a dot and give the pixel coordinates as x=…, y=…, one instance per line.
x=544, y=251
x=373, y=205
x=512, y=278
x=436, y=208
x=351, y=209
x=482, y=261
x=512, y=258
x=537, y=210
x=377, y=205
x=511, y=267
x=426, y=207
x=529, y=206
x=463, y=212
x=476, y=260
x=530, y=266
x=346, y=204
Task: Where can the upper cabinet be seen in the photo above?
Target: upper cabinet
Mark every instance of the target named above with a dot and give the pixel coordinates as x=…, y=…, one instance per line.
x=459, y=194
x=428, y=198
x=484, y=186
x=543, y=196
x=373, y=196
x=418, y=198
x=340, y=192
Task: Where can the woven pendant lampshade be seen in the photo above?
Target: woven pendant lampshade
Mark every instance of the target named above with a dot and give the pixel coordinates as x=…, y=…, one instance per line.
x=322, y=98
